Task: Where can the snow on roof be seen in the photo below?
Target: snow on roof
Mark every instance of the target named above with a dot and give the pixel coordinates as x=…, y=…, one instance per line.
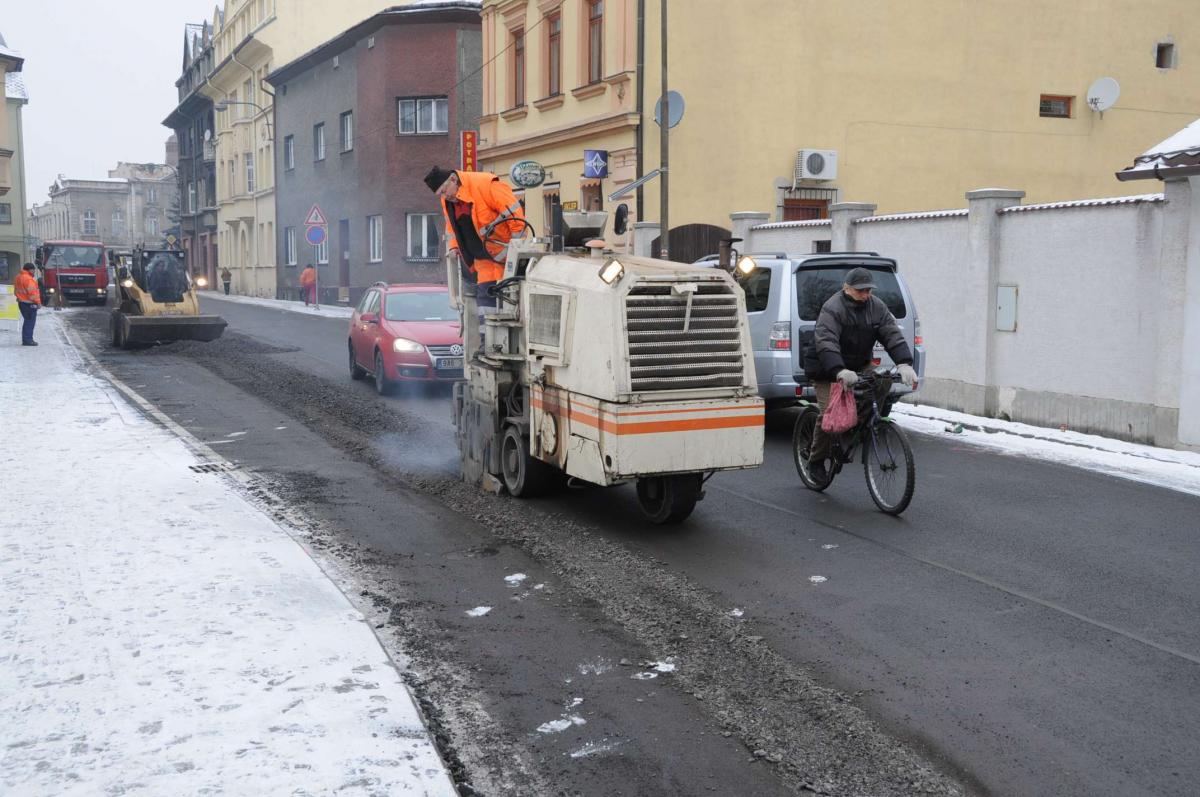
x=1186, y=140
x=1180, y=150
x=14, y=86
x=784, y=225
x=1086, y=203
x=928, y=214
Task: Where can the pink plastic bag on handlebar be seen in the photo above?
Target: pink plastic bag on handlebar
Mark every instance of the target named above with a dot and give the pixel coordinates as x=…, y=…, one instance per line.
x=841, y=414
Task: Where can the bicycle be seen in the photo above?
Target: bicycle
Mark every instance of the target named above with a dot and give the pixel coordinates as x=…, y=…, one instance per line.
x=886, y=455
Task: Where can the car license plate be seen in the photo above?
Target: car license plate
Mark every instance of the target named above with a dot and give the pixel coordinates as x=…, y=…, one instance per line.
x=449, y=362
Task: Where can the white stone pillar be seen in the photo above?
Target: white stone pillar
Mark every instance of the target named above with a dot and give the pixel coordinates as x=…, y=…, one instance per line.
x=977, y=295
x=742, y=225
x=644, y=233
x=843, y=215
x=1189, y=388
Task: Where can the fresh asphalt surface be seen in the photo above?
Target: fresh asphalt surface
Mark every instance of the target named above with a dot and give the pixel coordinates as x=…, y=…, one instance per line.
x=1032, y=626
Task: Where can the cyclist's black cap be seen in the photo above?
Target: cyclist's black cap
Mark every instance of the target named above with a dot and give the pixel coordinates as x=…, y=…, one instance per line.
x=860, y=279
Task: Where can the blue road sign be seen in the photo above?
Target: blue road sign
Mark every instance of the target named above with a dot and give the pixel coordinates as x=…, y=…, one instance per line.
x=315, y=235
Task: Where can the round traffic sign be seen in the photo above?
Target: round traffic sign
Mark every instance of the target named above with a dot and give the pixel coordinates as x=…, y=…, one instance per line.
x=315, y=235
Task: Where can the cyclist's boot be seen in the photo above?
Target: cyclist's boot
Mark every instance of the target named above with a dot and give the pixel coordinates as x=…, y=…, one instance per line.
x=818, y=471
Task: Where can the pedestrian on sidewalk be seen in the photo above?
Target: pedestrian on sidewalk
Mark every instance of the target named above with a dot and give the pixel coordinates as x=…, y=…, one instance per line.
x=29, y=299
x=226, y=278
x=308, y=284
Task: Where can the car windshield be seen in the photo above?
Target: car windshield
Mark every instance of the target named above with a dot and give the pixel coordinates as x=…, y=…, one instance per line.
x=67, y=256
x=814, y=286
x=419, y=306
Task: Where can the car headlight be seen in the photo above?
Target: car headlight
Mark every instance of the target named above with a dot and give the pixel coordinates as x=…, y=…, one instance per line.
x=202, y=282
x=51, y=290
x=406, y=345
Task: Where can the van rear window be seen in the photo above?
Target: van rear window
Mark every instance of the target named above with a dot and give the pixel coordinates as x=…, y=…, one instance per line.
x=814, y=286
x=757, y=285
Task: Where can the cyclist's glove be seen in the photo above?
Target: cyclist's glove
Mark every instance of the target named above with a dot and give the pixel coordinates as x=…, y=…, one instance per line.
x=847, y=377
x=907, y=375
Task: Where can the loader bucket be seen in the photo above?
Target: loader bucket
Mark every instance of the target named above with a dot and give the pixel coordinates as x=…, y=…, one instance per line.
x=163, y=329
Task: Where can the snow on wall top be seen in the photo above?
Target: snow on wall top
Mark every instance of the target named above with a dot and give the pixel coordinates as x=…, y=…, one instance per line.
x=1085, y=203
x=784, y=225
x=928, y=214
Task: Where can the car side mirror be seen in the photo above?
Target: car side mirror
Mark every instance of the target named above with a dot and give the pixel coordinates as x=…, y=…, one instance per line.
x=621, y=219
x=369, y=318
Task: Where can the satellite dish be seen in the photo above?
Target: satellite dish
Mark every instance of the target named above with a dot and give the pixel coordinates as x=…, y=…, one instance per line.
x=1103, y=94
x=676, y=109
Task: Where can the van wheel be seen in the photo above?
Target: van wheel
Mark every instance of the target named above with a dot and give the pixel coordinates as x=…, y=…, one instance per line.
x=357, y=372
x=667, y=500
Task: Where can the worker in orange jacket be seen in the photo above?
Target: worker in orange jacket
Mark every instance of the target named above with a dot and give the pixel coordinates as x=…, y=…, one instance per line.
x=482, y=217
x=308, y=284
x=29, y=299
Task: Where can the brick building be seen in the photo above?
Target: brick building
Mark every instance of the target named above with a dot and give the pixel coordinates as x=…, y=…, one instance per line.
x=358, y=123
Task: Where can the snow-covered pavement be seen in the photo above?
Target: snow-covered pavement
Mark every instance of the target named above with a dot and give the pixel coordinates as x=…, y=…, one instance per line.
x=1175, y=470
x=159, y=634
x=324, y=311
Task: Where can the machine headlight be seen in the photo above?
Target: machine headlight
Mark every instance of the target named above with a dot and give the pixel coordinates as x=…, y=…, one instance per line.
x=746, y=264
x=51, y=290
x=612, y=271
x=127, y=283
x=202, y=282
x=405, y=345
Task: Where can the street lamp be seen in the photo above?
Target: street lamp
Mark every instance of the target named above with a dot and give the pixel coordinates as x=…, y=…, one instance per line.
x=223, y=105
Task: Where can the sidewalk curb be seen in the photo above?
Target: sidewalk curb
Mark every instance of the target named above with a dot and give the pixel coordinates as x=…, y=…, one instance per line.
x=259, y=495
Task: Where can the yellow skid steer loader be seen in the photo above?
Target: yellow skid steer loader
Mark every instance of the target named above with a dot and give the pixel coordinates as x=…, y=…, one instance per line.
x=157, y=303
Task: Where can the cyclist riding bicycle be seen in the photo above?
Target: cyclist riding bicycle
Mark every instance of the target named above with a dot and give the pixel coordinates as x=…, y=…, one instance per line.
x=850, y=323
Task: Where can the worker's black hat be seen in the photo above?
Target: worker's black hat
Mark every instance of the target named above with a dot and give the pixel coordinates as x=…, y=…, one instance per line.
x=437, y=175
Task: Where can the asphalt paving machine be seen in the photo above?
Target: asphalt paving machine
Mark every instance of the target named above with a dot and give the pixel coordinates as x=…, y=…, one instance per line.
x=156, y=302
x=600, y=368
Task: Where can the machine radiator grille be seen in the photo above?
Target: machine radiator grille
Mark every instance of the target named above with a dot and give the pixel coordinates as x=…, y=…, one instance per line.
x=672, y=349
x=545, y=319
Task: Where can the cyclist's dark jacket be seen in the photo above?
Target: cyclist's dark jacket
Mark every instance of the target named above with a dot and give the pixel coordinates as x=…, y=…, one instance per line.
x=845, y=336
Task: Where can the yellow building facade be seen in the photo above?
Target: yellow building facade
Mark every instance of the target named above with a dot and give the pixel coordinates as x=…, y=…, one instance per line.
x=250, y=38
x=911, y=104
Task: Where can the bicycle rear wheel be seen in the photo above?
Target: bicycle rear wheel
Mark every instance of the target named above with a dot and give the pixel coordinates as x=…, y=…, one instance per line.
x=802, y=435
x=888, y=463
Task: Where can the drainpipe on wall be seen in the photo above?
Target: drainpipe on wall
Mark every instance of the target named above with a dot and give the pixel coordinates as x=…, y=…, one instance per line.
x=253, y=197
x=641, y=96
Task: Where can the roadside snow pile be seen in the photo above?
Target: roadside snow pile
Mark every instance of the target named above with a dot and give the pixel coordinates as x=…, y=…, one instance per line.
x=324, y=311
x=1175, y=470
x=160, y=634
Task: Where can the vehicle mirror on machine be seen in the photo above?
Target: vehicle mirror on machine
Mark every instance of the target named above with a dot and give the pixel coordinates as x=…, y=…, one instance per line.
x=621, y=219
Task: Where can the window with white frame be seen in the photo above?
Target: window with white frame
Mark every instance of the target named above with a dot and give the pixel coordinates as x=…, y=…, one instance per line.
x=5, y=213
x=152, y=195
x=191, y=198
x=346, y=128
x=118, y=223
x=422, y=116
x=251, y=187
x=375, y=238
x=322, y=251
x=289, y=153
x=424, y=240
x=152, y=224
x=89, y=222
x=319, y=142
x=289, y=246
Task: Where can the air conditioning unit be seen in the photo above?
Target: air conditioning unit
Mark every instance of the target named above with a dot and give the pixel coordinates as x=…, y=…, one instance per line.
x=816, y=164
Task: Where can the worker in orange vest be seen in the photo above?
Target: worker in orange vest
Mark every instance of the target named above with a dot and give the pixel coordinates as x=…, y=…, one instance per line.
x=482, y=217
x=29, y=299
x=308, y=284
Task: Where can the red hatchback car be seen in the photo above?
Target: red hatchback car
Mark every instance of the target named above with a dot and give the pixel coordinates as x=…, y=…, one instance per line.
x=405, y=333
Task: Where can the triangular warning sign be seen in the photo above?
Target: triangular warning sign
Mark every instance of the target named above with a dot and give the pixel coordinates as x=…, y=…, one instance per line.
x=315, y=218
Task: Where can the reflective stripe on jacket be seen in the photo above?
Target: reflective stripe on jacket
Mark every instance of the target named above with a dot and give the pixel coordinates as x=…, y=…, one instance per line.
x=25, y=288
x=494, y=209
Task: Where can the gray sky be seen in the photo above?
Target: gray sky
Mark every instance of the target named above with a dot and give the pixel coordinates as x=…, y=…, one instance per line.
x=101, y=78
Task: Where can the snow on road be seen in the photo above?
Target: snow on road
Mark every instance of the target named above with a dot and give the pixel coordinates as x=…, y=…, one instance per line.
x=1163, y=467
x=159, y=634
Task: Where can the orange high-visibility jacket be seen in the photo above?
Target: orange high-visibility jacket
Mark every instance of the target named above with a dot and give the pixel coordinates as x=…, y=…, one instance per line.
x=308, y=276
x=493, y=208
x=26, y=288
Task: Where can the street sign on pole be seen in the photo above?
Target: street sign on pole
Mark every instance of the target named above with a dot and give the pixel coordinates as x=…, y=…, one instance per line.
x=315, y=235
x=315, y=218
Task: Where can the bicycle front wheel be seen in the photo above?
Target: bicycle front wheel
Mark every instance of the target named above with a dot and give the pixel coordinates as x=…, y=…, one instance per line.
x=888, y=462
